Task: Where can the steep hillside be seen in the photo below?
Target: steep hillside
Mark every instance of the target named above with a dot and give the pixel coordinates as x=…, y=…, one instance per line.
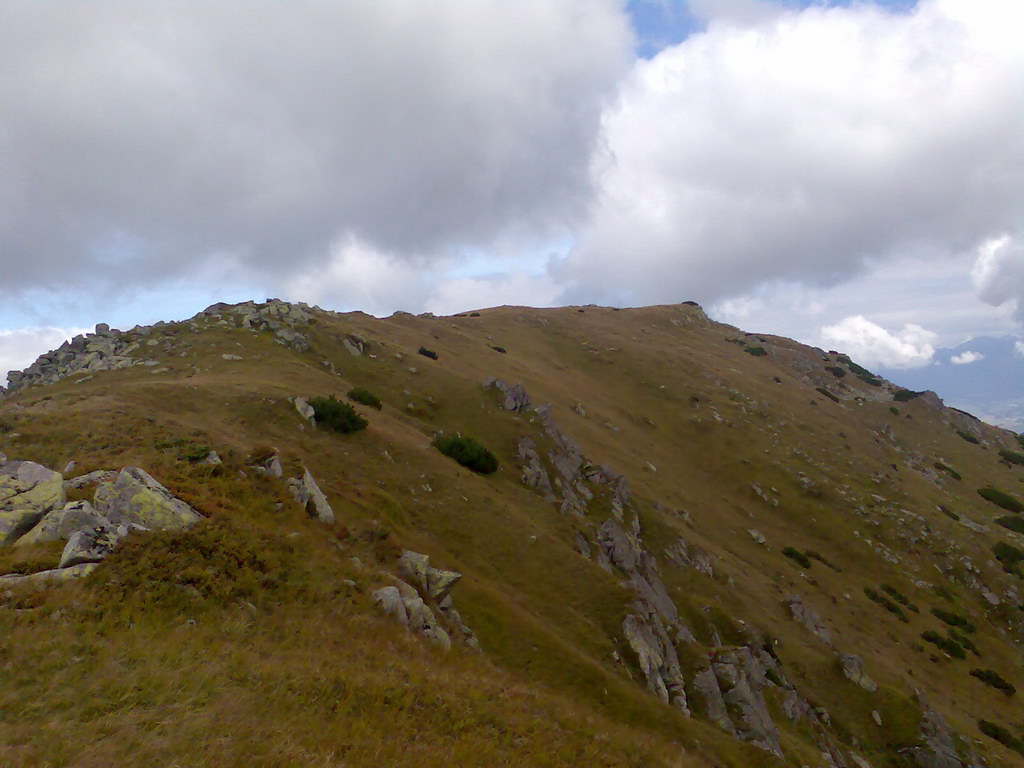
x=701, y=547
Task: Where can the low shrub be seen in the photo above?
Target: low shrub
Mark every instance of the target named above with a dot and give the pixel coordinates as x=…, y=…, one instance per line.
x=886, y=603
x=871, y=380
x=1013, y=523
x=993, y=679
x=836, y=371
x=948, y=470
x=826, y=393
x=823, y=560
x=963, y=641
x=364, y=397
x=339, y=416
x=1011, y=456
x=951, y=647
x=500, y=349
x=968, y=437
x=905, y=395
x=427, y=353
x=1000, y=734
x=899, y=597
x=1009, y=556
x=949, y=513
x=756, y=351
x=1004, y=500
x=953, y=620
x=797, y=556
x=894, y=410
x=193, y=452
x=468, y=452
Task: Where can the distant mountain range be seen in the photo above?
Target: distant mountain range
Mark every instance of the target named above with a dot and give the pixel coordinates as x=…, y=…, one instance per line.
x=984, y=376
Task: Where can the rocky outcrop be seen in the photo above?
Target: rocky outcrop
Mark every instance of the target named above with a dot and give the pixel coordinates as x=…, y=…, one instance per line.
x=280, y=318
x=92, y=544
x=683, y=554
x=806, y=616
x=413, y=599
x=105, y=350
x=853, y=670
x=91, y=478
x=937, y=745
x=48, y=578
x=514, y=398
x=741, y=679
x=305, y=410
x=27, y=492
x=308, y=495
x=136, y=498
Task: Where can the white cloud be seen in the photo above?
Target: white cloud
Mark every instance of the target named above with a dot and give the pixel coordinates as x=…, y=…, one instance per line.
x=153, y=137
x=966, y=358
x=797, y=146
x=871, y=344
x=1018, y=348
x=998, y=272
x=20, y=347
x=517, y=288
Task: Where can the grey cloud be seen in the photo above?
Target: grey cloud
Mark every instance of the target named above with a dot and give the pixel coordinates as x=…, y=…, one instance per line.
x=140, y=139
x=802, y=147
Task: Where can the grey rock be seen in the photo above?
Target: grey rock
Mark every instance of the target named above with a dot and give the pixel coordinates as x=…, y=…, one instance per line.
x=514, y=398
x=27, y=492
x=90, y=545
x=757, y=536
x=853, y=669
x=136, y=497
x=706, y=685
x=61, y=523
x=737, y=672
x=99, y=476
x=212, y=459
x=807, y=617
x=422, y=621
x=48, y=578
x=308, y=495
x=305, y=410
x=389, y=600
x=657, y=658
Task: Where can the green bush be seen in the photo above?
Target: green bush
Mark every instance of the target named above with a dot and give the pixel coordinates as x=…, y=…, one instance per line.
x=823, y=560
x=905, y=395
x=900, y=598
x=836, y=371
x=968, y=437
x=948, y=470
x=1001, y=735
x=894, y=410
x=427, y=353
x=500, y=349
x=949, y=513
x=468, y=452
x=1009, y=556
x=963, y=641
x=826, y=393
x=756, y=351
x=886, y=603
x=1011, y=456
x=797, y=556
x=951, y=647
x=1004, y=500
x=953, y=619
x=193, y=452
x=993, y=679
x=364, y=397
x=339, y=416
x=1011, y=522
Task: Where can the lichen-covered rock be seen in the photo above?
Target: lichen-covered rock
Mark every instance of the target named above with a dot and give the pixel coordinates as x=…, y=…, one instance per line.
x=91, y=478
x=936, y=747
x=135, y=497
x=741, y=678
x=657, y=657
x=61, y=523
x=91, y=545
x=27, y=492
x=514, y=398
x=309, y=496
x=412, y=566
x=853, y=669
x=686, y=555
x=706, y=685
x=423, y=622
x=48, y=578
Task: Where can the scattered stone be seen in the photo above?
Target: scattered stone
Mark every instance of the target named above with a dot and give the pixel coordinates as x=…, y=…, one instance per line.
x=757, y=536
x=853, y=669
x=807, y=617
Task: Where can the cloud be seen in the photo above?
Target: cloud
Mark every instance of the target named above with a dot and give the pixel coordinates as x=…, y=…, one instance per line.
x=998, y=272
x=20, y=347
x=871, y=344
x=966, y=358
x=1018, y=348
x=142, y=139
x=796, y=147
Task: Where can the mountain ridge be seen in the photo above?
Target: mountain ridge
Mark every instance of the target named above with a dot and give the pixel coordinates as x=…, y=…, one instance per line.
x=688, y=539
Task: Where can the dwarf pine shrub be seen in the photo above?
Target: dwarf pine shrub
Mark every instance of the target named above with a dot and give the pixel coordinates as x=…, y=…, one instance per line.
x=364, y=397
x=948, y=470
x=339, y=416
x=953, y=620
x=1015, y=524
x=1000, y=734
x=1011, y=456
x=906, y=395
x=756, y=351
x=993, y=679
x=468, y=452
x=968, y=437
x=951, y=647
x=427, y=353
x=1004, y=500
x=797, y=557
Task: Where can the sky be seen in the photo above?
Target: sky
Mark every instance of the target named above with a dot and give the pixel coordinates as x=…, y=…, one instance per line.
x=850, y=174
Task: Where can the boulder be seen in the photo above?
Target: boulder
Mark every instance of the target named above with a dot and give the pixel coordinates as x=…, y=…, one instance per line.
x=853, y=669
x=48, y=578
x=91, y=545
x=27, y=492
x=305, y=410
x=423, y=622
x=61, y=523
x=135, y=497
x=706, y=685
x=806, y=616
x=99, y=476
x=412, y=566
x=308, y=495
x=389, y=600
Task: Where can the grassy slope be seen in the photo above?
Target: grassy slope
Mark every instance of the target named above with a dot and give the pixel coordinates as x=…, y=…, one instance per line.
x=310, y=675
